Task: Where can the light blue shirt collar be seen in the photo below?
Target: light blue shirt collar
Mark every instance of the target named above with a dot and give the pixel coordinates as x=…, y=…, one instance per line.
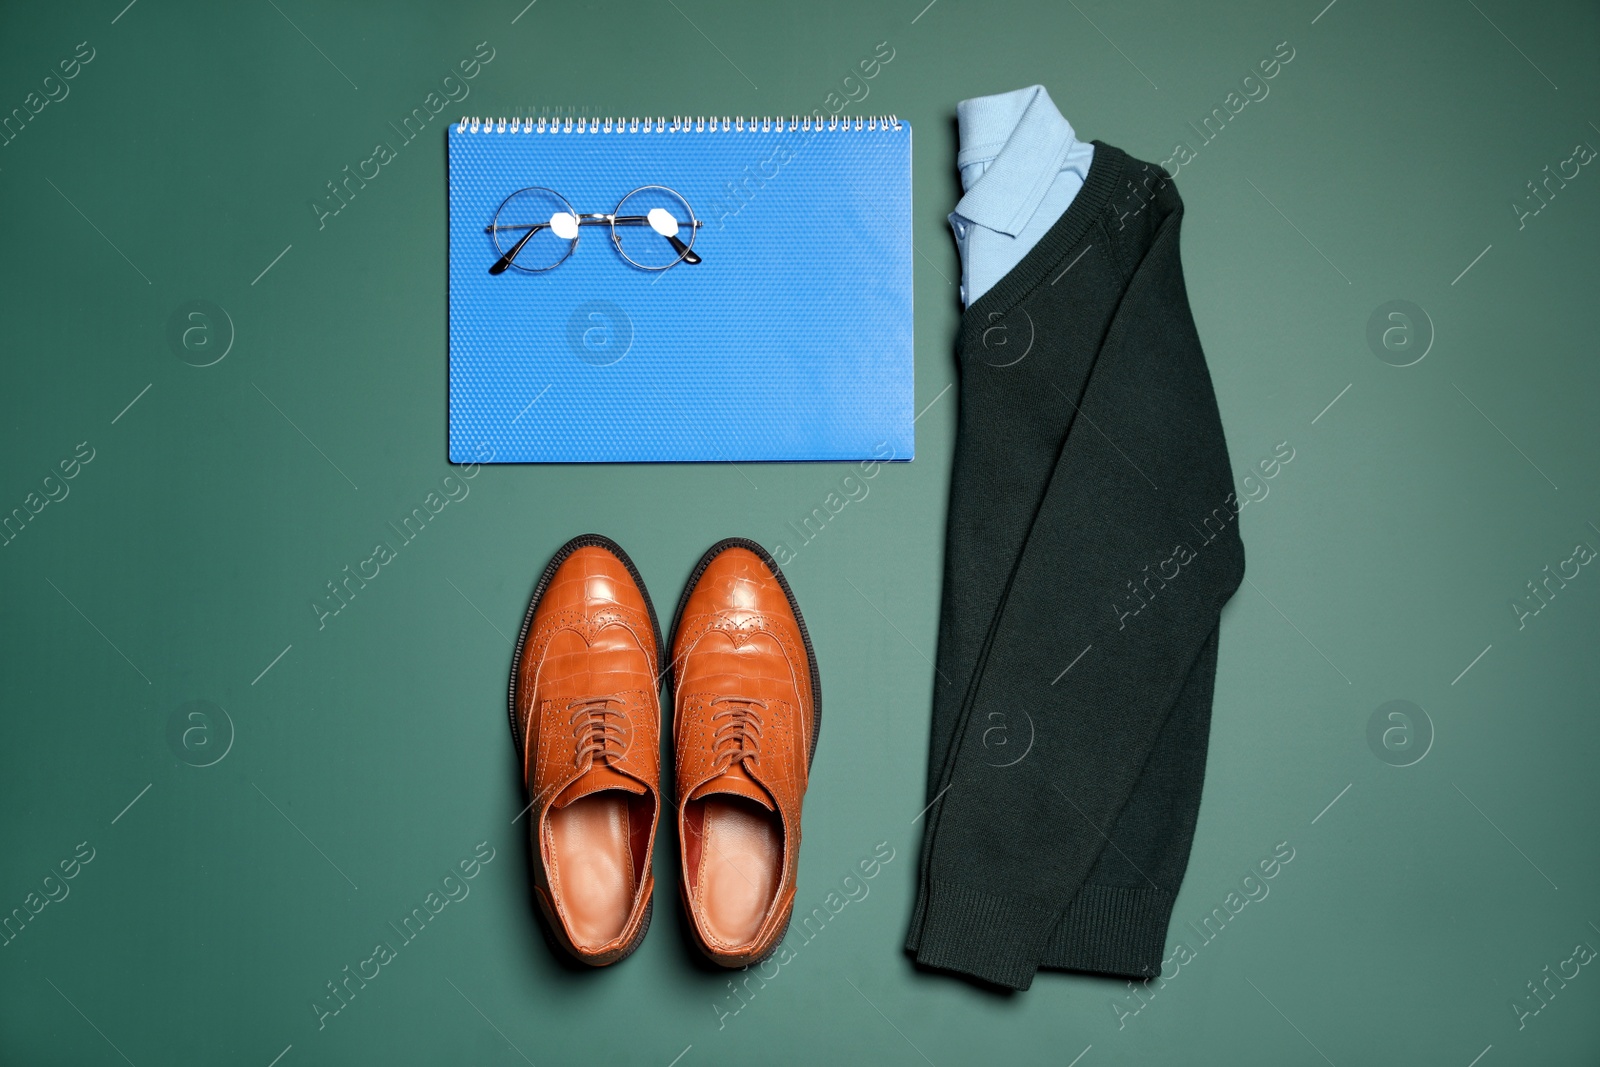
x=1012, y=147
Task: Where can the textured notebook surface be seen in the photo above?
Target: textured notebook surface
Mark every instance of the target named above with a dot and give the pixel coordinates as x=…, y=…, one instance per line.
x=791, y=340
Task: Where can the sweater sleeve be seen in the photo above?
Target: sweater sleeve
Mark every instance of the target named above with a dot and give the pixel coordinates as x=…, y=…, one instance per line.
x=1126, y=568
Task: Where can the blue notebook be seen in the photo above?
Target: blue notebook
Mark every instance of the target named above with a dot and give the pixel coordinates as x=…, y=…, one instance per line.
x=789, y=339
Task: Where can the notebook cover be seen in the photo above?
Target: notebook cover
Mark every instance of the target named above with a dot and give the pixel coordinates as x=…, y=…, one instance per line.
x=791, y=340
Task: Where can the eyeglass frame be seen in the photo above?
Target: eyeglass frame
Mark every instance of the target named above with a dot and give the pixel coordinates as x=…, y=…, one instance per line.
x=686, y=253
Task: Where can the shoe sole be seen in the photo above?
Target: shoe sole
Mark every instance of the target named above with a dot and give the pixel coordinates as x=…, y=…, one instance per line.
x=562, y=555
x=816, y=699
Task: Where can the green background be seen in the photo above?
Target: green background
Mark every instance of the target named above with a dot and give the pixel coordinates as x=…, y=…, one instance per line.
x=373, y=755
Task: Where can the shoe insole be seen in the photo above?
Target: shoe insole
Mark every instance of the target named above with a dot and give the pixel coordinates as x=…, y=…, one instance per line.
x=592, y=874
x=741, y=861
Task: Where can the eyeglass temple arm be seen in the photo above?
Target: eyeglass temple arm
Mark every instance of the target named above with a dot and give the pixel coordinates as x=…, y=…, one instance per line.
x=504, y=261
x=683, y=250
x=644, y=220
x=678, y=246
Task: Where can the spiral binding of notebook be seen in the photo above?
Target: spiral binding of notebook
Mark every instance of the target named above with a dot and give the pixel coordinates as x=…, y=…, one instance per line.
x=788, y=337
x=677, y=124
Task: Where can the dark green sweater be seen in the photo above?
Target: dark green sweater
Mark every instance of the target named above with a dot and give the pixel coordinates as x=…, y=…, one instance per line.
x=1092, y=542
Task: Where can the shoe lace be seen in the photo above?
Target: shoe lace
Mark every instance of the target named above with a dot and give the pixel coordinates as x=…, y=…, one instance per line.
x=598, y=728
x=739, y=735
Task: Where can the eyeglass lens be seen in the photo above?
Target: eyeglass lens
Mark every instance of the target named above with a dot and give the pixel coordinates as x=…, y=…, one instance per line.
x=542, y=223
x=654, y=227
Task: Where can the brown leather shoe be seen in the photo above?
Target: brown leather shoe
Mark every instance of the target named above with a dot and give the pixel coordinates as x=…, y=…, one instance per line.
x=746, y=710
x=586, y=717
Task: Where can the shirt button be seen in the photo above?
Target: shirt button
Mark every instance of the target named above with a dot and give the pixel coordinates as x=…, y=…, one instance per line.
x=963, y=294
x=961, y=229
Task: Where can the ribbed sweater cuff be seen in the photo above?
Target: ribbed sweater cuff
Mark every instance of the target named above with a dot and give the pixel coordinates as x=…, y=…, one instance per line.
x=994, y=938
x=1112, y=930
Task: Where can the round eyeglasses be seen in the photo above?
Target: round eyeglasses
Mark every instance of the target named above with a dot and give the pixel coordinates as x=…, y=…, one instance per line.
x=536, y=229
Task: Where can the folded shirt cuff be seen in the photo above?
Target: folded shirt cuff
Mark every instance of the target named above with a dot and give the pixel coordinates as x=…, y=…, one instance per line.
x=994, y=938
x=1112, y=930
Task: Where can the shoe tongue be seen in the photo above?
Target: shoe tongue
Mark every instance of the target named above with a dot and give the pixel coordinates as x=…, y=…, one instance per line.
x=599, y=776
x=737, y=781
